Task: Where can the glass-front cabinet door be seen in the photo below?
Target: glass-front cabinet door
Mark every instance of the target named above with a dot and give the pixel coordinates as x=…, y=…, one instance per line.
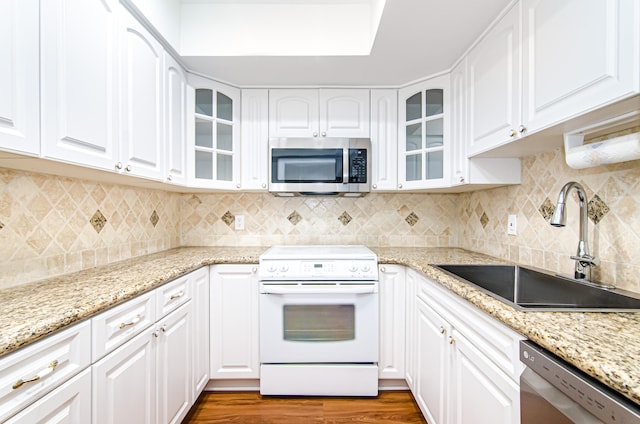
x=214, y=154
x=423, y=135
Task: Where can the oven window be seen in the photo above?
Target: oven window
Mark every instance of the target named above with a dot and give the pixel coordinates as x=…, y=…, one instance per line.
x=319, y=323
x=306, y=165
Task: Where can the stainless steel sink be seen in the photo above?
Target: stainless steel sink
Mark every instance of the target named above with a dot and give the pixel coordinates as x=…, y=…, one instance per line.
x=532, y=290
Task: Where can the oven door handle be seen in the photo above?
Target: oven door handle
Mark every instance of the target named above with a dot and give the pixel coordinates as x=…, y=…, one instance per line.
x=339, y=289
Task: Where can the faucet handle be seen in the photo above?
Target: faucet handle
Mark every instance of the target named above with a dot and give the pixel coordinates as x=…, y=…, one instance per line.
x=587, y=260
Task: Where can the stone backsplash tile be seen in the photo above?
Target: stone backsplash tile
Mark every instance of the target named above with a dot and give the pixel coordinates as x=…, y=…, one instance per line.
x=55, y=225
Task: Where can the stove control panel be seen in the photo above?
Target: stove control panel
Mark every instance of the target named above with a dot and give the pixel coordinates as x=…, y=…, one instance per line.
x=339, y=269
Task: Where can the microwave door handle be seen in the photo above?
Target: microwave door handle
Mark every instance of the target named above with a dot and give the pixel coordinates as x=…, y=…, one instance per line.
x=345, y=166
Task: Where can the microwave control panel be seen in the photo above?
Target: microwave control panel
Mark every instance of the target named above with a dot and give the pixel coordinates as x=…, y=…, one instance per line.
x=357, y=165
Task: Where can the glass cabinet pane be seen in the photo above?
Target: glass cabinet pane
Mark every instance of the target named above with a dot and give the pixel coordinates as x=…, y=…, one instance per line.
x=224, y=134
x=414, y=167
x=204, y=133
x=414, y=107
x=224, y=170
x=204, y=165
x=414, y=137
x=434, y=165
x=204, y=101
x=434, y=102
x=224, y=106
x=433, y=130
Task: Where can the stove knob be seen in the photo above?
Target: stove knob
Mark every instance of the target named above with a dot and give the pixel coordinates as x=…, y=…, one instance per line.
x=366, y=268
x=284, y=268
x=353, y=267
x=272, y=268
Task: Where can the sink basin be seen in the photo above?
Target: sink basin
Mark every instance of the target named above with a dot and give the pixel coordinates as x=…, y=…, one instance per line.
x=531, y=290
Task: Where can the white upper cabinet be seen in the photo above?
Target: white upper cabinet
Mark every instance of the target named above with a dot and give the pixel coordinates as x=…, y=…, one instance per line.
x=577, y=55
x=319, y=113
x=79, y=63
x=573, y=57
x=494, y=85
x=19, y=77
x=176, y=122
x=142, y=100
x=384, y=139
x=213, y=134
x=254, y=145
x=423, y=135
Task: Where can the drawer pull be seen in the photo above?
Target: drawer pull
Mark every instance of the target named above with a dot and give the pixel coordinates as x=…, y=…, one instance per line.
x=45, y=372
x=177, y=295
x=134, y=321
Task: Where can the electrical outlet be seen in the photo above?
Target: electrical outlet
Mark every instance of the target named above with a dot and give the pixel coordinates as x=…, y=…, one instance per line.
x=512, y=225
x=239, y=222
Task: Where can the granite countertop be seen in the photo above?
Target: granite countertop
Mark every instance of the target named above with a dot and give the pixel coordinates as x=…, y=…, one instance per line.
x=604, y=345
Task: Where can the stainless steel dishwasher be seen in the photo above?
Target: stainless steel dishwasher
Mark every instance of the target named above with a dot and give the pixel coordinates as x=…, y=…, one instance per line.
x=554, y=392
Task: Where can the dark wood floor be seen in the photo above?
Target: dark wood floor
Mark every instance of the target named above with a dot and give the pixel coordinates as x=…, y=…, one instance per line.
x=249, y=407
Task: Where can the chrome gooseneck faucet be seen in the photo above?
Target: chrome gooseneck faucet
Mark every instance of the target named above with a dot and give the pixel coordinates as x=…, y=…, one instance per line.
x=584, y=260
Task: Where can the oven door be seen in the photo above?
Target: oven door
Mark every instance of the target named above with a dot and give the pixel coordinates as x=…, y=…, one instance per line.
x=307, y=322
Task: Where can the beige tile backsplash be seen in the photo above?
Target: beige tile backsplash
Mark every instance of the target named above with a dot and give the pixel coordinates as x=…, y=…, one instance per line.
x=51, y=225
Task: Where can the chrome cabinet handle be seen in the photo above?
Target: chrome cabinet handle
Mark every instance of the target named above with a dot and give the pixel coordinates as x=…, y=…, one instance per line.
x=128, y=168
x=264, y=185
x=512, y=133
x=315, y=134
x=452, y=341
x=324, y=134
x=399, y=185
x=442, y=330
x=237, y=185
x=156, y=334
x=461, y=179
x=522, y=129
x=375, y=186
x=134, y=321
x=169, y=178
x=383, y=269
x=177, y=295
x=45, y=372
x=119, y=165
x=163, y=328
x=254, y=269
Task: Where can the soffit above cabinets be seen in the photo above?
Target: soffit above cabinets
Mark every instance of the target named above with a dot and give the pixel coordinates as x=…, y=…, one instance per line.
x=260, y=43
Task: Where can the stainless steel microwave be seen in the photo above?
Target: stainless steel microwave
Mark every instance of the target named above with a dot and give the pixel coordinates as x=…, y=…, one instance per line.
x=328, y=166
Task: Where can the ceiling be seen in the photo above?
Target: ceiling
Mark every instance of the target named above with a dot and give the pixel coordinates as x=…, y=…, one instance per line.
x=415, y=39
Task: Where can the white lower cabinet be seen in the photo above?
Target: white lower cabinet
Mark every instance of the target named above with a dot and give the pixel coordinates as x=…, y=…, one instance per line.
x=69, y=403
x=234, y=322
x=200, y=331
x=392, y=322
x=466, y=363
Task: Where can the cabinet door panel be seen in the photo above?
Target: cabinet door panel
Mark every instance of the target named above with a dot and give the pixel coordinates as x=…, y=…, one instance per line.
x=79, y=81
x=255, y=138
x=483, y=394
x=578, y=55
x=174, y=366
x=200, y=328
x=494, y=85
x=384, y=139
x=142, y=88
x=344, y=113
x=124, y=383
x=293, y=113
x=234, y=322
x=392, y=322
x=176, y=124
x=19, y=77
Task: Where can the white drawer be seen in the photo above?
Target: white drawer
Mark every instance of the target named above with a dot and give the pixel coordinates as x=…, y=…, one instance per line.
x=114, y=327
x=69, y=403
x=172, y=295
x=28, y=374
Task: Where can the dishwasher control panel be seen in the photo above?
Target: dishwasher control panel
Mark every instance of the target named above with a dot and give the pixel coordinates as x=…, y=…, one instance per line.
x=601, y=401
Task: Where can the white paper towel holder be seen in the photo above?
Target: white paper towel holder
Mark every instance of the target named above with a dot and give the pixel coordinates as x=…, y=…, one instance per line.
x=579, y=155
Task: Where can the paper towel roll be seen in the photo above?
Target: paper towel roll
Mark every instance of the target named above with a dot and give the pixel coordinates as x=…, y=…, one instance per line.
x=619, y=149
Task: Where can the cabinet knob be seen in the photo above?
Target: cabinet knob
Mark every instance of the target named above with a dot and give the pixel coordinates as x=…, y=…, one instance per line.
x=375, y=186
x=156, y=334
x=512, y=133
x=254, y=269
x=452, y=341
x=442, y=330
x=264, y=185
x=237, y=185
x=324, y=134
x=399, y=185
x=315, y=134
x=169, y=178
x=119, y=165
x=128, y=168
x=522, y=129
x=383, y=269
x=164, y=328
x=461, y=179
